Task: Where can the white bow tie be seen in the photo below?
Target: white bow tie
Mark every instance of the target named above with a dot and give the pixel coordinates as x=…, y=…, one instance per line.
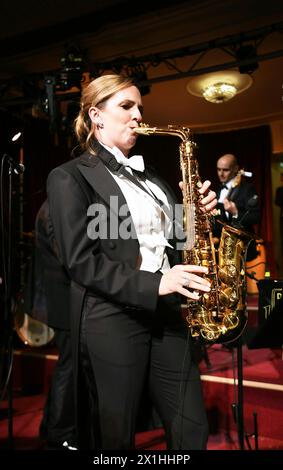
x=135, y=162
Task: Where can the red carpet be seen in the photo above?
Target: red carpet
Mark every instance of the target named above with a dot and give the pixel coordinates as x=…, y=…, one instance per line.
x=262, y=393
x=28, y=411
x=262, y=396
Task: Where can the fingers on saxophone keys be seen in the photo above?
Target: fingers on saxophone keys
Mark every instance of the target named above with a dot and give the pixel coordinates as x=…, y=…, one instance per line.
x=195, y=282
x=205, y=186
x=209, y=208
x=190, y=294
x=209, y=199
x=191, y=268
x=202, y=286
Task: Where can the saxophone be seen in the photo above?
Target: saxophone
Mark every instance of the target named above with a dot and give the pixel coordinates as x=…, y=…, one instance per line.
x=219, y=315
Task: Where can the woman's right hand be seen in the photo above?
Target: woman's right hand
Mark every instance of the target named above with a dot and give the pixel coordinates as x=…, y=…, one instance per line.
x=182, y=279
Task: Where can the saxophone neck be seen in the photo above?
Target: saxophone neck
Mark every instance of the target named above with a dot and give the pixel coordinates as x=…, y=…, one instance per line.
x=182, y=132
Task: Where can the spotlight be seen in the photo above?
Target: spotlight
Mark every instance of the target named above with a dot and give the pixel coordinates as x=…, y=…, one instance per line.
x=247, y=52
x=71, y=71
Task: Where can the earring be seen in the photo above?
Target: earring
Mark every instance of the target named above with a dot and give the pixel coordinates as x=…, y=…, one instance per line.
x=99, y=125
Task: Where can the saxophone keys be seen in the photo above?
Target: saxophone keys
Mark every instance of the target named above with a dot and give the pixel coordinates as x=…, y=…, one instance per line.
x=228, y=297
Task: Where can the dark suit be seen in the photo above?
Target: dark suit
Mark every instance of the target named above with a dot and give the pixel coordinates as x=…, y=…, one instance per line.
x=58, y=423
x=128, y=335
x=248, y=214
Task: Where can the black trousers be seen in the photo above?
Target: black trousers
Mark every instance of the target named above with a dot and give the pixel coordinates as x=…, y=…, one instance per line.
x=124, y=350
x=58, y=423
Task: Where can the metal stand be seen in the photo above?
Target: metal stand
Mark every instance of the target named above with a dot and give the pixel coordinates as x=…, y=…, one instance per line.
x=238, y=408
x=17, y=168
x=8, y=320
x=240, y=404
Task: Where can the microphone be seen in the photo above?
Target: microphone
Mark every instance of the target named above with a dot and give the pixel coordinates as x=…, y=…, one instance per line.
x=18, y=168
x=252, y=202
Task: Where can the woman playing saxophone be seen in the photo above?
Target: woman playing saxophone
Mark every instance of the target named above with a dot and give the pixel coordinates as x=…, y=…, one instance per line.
x=109, y=217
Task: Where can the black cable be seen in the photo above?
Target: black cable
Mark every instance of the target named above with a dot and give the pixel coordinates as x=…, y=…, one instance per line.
x=257, y=264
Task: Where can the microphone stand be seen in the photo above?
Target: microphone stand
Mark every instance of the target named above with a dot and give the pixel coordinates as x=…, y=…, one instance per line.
x=8, y=320
x=238, y=408
x=240, y=404
x=8, y=317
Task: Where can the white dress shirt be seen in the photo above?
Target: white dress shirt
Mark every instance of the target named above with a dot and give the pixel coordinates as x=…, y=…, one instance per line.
x=151, y=223
x=223, y=194
x=224, y=191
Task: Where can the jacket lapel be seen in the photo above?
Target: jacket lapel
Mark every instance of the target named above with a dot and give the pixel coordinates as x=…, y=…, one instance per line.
x=99, y=178
x=176, y=214
x=94, y=170
x=172, y=199
x=97, y=175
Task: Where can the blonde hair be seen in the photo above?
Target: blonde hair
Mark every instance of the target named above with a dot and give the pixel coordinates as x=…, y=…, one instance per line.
x=96, y=94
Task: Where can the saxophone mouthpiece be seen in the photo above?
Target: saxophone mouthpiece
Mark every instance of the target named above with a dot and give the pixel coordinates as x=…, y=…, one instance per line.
x=144, y=129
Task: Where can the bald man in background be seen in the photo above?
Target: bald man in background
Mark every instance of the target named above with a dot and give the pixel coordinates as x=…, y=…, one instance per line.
x=237, y=201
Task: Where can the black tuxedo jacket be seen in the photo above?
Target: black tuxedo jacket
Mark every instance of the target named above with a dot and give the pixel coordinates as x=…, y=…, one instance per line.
x=241, y=195
x=248, y=216
x=47, y=290
x=51, y=272
x=105, y=267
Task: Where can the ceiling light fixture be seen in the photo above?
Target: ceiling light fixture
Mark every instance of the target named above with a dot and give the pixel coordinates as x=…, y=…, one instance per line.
x=218, y=87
